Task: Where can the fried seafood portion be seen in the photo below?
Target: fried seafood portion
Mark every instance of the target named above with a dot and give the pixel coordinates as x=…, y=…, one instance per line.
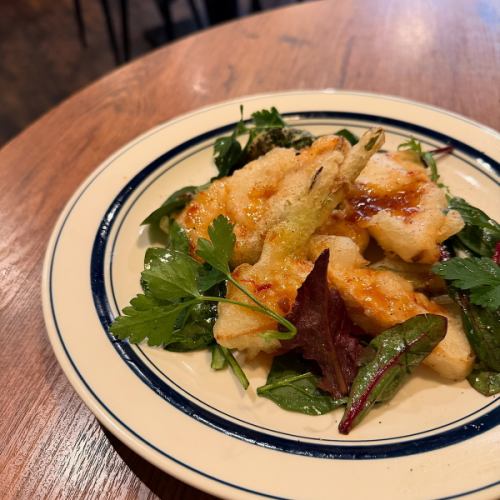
x=284, y=264
x=379, y=299
x=258, y=196
x=397, y=204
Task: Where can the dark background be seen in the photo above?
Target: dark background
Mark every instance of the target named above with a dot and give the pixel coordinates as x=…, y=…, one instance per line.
x=42, y=59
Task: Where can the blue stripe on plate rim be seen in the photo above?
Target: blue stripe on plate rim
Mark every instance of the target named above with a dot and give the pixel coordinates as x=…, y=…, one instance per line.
x=97, y=269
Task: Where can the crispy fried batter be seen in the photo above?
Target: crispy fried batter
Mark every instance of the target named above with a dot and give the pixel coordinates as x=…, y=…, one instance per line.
x=399, y=205
x=377, y=300
x=283, y=264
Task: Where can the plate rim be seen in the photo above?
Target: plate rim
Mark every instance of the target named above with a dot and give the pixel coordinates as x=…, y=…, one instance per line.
x=71, y=372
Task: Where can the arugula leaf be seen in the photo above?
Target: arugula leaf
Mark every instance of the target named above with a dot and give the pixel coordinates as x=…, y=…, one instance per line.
x=171, y=275
x=486, y=382
x=347, y=134
x=293, y=386
x=398, y=351
x=218, y=251
x=145, y=318
x=479, y=275
x=175, y=202
x=481, y=233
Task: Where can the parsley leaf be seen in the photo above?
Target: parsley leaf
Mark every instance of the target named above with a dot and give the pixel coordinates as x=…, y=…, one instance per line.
x=479, y=275
x=219, y=249
x=171, y=275
x=176, y=310
x=145, y=318
x=268, y=118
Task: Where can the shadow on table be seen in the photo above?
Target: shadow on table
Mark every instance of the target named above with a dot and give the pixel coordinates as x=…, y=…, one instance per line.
x=161, y=484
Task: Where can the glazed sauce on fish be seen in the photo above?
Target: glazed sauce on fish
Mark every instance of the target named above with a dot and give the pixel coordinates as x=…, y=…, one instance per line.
x=364, y=202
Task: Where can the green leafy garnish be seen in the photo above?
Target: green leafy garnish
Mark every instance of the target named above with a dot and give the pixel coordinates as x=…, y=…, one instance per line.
x=474, y=284
x=175, y=202
x=480, y=276
x=486, y=382
x=218, y=250
x=482, y=327
x=219, y=361
x=293, y=386
x=177, y=310
x=146, y=319
x=235, y=367
x=426, y=157
x=347, y=134
x=267, y=131
x=481, y=233
x=172, y=277
x=278, y=137
x=228, y=153
x=396, y=353
x=267, y=119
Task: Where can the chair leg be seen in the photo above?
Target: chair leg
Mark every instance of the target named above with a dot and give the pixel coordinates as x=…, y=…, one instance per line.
x=82, y=32
x=163, y=6
x=111, y=30
x=256, y=5
x=195, y=14
x=124, y=12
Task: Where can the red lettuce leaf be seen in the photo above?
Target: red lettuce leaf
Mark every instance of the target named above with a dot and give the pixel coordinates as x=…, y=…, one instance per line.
x=325, y=332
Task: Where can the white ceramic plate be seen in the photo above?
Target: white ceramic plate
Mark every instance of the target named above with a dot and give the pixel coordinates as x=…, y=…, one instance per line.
x=433, y=440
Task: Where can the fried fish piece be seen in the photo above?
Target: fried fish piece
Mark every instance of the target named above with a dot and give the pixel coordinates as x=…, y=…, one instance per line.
x=379, y=299
x=257, y=196
x=397, y=203
x=245, y=198
x=283, y=264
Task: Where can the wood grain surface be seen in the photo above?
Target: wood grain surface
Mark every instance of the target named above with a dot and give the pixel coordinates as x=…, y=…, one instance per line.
x=445, y=53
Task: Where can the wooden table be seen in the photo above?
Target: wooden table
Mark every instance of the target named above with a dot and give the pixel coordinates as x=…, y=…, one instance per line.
x=444, y=53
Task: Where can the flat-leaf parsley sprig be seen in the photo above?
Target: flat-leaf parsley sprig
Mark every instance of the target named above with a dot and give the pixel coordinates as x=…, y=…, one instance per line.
x=175, y=284
x=478, y=275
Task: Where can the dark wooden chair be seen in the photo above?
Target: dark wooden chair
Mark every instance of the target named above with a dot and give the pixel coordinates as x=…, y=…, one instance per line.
x=121, y=52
